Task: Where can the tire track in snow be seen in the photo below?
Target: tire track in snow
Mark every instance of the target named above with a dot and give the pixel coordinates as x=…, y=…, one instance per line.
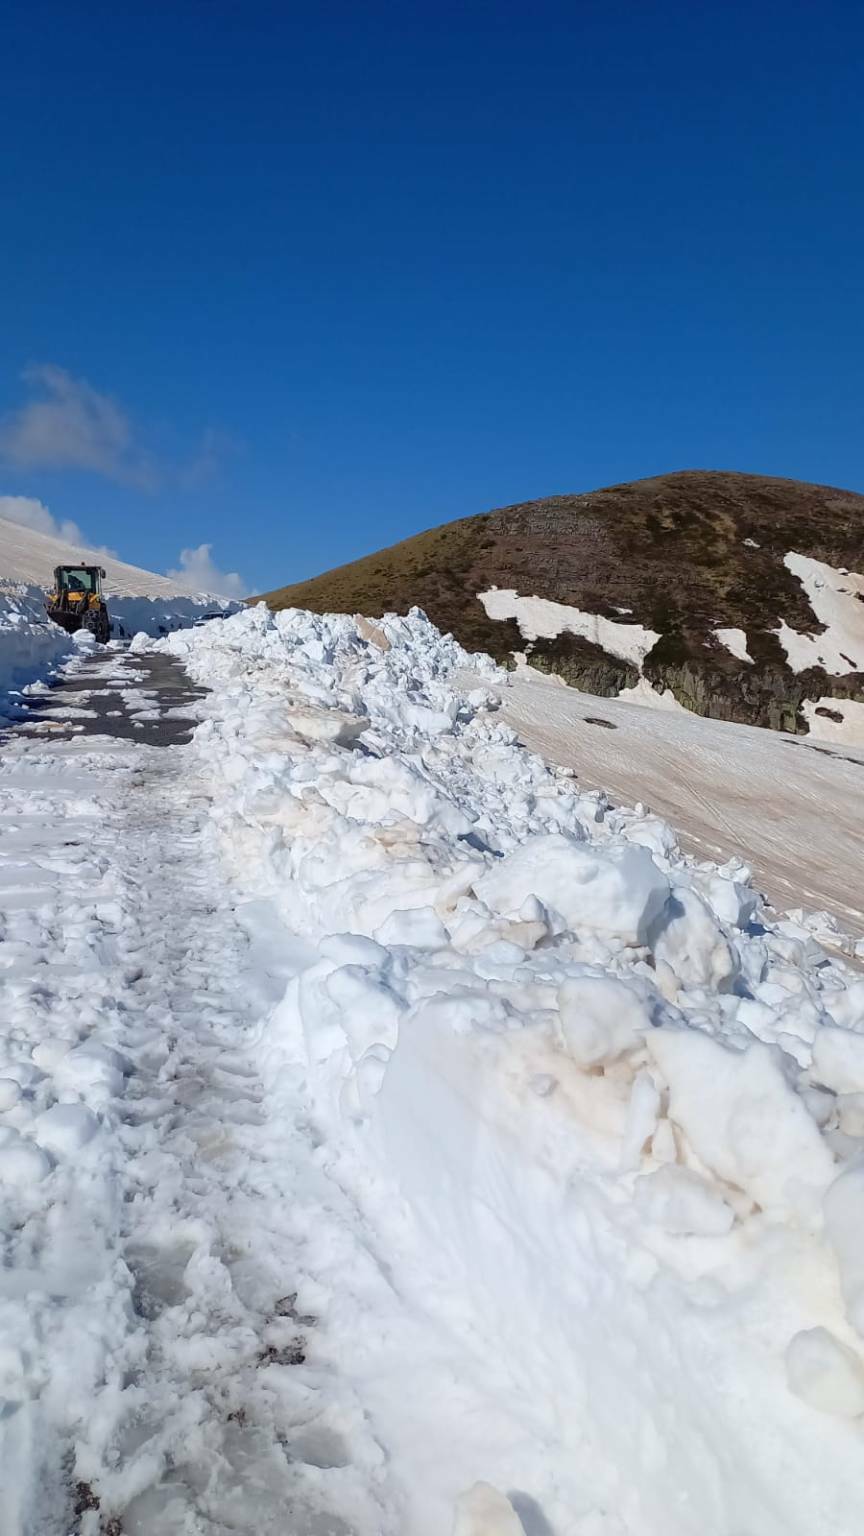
x=194, y=1397
x=236, y=1414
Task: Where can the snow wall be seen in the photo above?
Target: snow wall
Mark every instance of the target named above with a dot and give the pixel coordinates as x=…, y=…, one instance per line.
x=599, y=1110
x=31, y=647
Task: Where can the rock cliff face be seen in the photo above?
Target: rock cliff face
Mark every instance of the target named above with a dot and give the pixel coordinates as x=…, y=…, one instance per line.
x=683, y=555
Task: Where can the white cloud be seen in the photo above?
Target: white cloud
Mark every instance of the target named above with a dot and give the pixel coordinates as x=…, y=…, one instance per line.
x=30, y=513
x=73, y=426
x=214, y=448
x=197, y=573
x=70, y=425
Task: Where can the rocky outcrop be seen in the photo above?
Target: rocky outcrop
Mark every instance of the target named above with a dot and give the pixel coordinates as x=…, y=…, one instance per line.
x=768, y=696
x=583, y=665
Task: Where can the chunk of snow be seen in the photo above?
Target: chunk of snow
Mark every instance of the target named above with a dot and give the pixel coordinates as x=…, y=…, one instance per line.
x=600, y=1018
x=419, y=927
x=682, y=1202
x=844, y=1224
x=483, y=1511
x=327, y=725
x=838, y=1059
x=825, y=1374
x=94, y=1071
x=617, y=891
x=744, y=1121
x=65, y=1128
x=689, y=939
x=643, y=1114
x=731, y=901
x=10, y=1093
x=850, y=1113
x=22, y=1162
x=651, y=833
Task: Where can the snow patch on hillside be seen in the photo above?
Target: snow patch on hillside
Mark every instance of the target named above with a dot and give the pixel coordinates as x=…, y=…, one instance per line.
x=735, y=640
x=837, y=600
x=840, y=720
x=645, y=693
x=597, y=1110
x=539, y=618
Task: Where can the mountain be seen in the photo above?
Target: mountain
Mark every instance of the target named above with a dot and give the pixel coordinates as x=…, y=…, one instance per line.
x=30, y=557
x=735, y=595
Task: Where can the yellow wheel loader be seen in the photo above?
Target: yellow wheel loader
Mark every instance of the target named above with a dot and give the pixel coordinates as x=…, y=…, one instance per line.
x=77, y=602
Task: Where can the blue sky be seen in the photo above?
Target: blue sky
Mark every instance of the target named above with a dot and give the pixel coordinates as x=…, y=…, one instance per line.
x=298, y=280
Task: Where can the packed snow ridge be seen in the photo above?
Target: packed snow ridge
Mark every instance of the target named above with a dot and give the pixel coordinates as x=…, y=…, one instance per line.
x=601, y=1112
x=397, y=1140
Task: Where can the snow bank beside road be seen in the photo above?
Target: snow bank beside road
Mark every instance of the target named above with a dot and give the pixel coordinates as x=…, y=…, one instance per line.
x=587, y=1096
x=156, y=616
x=30, y=646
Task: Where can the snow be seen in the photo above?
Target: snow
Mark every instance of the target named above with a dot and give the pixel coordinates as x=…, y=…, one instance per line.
x=29, y=558
x=735, y=640
x=646, y=694
x=617, y=891
x=31, y=646
x=410, y=1141
x=844, y=1225
x=538, y=618
x=825, y=1374
x=848, y=728
x=838, y=1059
x=713, y=780
x=837, y=600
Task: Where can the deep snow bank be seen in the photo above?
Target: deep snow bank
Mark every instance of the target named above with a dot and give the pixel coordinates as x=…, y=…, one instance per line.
x=31, y=646
x=162, y=615
x=601, y=1114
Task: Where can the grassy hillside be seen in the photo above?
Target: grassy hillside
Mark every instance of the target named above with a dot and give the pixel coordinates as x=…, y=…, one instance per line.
x=686, y=553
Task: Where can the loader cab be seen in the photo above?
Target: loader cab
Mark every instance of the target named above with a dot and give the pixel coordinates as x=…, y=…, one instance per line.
x=78, y=581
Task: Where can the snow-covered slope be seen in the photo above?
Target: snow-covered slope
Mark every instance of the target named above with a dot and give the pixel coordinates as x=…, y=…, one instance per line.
x=29, y=558
x=837, y=600
x=788, y=806
x=590, y=1116
x=138, y=601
